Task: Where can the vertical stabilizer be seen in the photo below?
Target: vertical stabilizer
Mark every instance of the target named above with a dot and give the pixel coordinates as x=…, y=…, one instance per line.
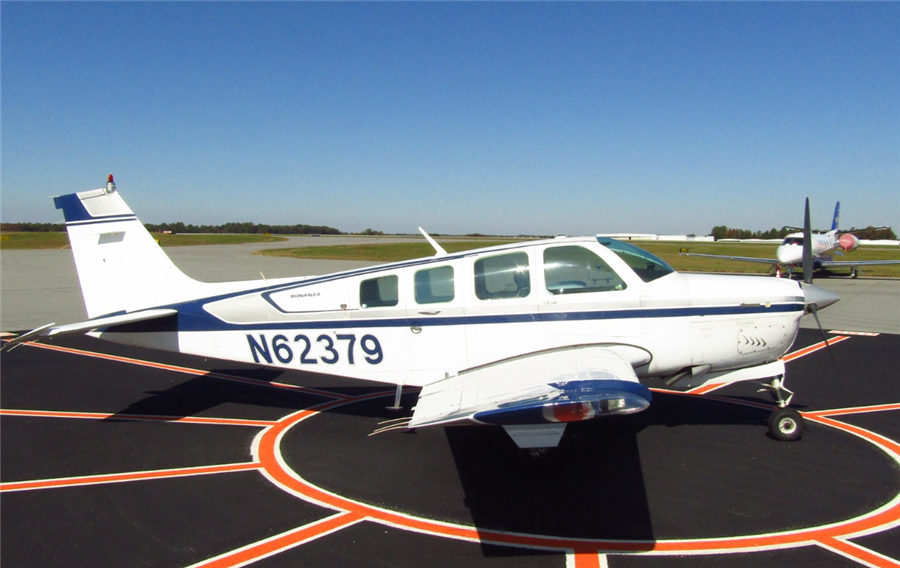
x=120, y=266
x=837, y=217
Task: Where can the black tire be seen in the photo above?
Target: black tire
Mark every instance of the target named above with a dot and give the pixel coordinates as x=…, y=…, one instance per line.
x=786, y=424
x=539, y=457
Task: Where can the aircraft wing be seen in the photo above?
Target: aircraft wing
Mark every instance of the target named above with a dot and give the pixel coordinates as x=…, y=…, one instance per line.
x=81, y=327
x=552, y=386
x=851, y=263
x=740, y=258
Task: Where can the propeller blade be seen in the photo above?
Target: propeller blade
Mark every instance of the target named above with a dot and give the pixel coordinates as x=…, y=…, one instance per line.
x=815, y=312
x=807, y=247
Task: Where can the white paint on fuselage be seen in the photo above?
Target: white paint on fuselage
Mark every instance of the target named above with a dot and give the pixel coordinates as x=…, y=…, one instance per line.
x=790, y=252
x=416, y=344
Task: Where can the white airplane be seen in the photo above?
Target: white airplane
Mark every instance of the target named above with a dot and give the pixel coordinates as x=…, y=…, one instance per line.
x=789, y=253
x=529, y=336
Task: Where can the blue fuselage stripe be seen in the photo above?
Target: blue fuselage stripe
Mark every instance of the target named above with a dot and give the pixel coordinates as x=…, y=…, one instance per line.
x=189, y=320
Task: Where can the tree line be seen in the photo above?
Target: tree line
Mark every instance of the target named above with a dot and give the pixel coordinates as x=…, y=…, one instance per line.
x=240, y=228
x=723, y=232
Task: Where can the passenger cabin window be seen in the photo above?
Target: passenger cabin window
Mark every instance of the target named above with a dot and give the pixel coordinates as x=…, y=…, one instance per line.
x=378, y=292
x=434, y=285
x=576, y=270
x=503, y=276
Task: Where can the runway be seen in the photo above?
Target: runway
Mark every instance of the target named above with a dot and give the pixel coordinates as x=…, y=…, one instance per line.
x=114, y=455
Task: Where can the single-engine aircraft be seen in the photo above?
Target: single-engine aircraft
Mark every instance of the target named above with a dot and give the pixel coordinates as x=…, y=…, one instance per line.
x=529, y=336
x=789, y=254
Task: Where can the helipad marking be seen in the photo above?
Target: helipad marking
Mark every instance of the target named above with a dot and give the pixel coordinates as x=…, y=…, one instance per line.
x=281, y=542
x=579, y=552
x=136, y=417
x=125, y=477
x=266, y=449
x=189, y=371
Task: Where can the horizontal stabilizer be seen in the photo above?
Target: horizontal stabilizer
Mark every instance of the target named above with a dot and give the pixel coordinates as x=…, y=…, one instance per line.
x=553, y=386
x=90, y=325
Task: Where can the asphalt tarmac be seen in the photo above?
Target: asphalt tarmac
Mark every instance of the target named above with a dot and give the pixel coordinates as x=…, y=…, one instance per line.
x=113, y=455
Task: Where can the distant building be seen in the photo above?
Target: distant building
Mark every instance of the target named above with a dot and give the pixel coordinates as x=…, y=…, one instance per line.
x=654, y=237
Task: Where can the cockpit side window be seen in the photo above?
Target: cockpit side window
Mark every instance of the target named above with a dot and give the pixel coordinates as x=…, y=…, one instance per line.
x=647, y=266
x=378, y=292
x=502, y=276
x=434, y=285
x=576, y=270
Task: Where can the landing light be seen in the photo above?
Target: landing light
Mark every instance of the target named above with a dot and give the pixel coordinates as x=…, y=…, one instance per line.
x=616, y=403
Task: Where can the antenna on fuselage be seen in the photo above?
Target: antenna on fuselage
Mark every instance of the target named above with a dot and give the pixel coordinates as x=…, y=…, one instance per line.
x=438, y=249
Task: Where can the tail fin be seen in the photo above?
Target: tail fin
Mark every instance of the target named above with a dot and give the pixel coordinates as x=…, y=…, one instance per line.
x=120, y=266
x=837, y=216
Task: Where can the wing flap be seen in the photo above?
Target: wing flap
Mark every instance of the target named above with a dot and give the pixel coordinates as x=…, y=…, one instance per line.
x=560, y=385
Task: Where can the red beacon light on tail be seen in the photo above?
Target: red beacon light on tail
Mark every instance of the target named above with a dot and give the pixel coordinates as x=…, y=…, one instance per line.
x=110, y=184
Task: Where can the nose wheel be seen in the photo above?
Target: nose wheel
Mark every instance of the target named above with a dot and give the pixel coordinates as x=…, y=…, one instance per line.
x=785, y=423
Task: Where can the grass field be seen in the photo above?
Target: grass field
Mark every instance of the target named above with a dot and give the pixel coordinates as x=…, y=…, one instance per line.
x=34, y=241
x=393, y=252
x=668, y=251
x=390, y=252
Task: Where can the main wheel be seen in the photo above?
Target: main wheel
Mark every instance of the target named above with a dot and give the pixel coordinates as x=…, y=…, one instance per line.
x=786, y=424
x=539, y=457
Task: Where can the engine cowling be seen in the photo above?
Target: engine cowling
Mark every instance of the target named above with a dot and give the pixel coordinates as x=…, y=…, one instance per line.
x=848, y=242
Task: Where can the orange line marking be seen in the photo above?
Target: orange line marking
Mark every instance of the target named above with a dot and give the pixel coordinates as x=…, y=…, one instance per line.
x=136, y=417
x=859, y=553
x=814, y=348
x=855, y=410
x=124, y=477
x=587, y=558
x=280, y=543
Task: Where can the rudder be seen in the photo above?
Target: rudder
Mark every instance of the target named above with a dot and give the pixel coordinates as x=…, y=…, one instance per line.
x=120, y=266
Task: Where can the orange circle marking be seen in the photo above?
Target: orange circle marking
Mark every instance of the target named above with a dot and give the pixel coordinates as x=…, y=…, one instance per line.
x=266, y=449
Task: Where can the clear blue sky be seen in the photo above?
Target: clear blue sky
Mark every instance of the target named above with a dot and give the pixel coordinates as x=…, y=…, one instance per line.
x=541, y=118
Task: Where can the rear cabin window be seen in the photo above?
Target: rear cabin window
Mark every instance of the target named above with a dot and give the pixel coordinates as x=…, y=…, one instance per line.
x=577, y=270
x=378, y=292
x=435, y=285
x=503, y=276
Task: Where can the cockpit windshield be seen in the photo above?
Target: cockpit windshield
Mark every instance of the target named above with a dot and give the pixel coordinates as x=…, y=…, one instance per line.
x=647, y=266
x=793, y=241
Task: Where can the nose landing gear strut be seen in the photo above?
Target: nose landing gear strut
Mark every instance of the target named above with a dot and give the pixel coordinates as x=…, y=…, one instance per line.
x=785, y=423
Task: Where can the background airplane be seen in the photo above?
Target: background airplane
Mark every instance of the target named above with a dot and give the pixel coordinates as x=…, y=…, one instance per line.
x=789, y=254
x=528, y=336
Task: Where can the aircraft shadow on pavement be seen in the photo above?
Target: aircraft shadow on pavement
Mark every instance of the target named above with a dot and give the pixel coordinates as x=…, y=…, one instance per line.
x=204, y=392
x=585, y=493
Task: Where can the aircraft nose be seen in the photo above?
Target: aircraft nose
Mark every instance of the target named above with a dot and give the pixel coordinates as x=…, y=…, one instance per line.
x=786, y=256
x=819, y=296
